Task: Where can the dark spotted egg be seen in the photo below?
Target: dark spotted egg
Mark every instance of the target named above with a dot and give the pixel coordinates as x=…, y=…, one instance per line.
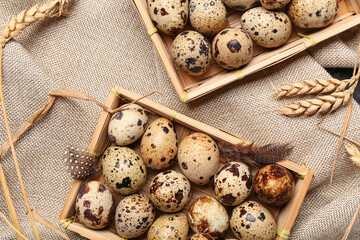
x=198, y=157
x=274, y=4
x=201, y=236
x=169, y=226
x=169, y=17
x=232, y=48
x=241, y=5
x=267, y=28
x=206, y=215
x=127, y=125
x=233, y=183
x=252, y=221
x=313, y=13
x=123, y=169
x=95, y=206
x=207, y=16
x=191, y=52
x=170, y=191
x=159, y=144
x=134, y=216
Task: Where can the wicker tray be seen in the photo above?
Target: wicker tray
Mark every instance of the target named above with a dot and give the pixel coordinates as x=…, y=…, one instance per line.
x=191, y=87
x=285, y=216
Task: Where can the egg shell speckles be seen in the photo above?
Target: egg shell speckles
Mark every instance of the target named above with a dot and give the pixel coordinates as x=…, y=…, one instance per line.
x=232, y=183
x=159, y=144
x=123, y=169
x=241, y=5
x=198, y=158
x=267, y=28
x=127, y=125
x=252, y=221
x=232, y=48
x=95, y=206
x=169, y=226
x=274, y=185
x=191, y=52
x=134, y=215
x=207, y=16
x=170, y=191
x=313, y=13
x=206, y=215
x=169, y=17
x=201, y=236
x=274, y=4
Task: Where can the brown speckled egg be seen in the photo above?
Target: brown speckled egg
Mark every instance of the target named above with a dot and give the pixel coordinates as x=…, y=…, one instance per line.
x=252, y=221
x=232, y=48
x=170, y=191
x=207, y=16
x=206, y=215
x=191, y=52
x=312, y=13
x=198, y=158
x=127, y=125
x=123, y=169
x=201, y=236
x=274, y=185
x=134, y=215
x=159, y=144
x=232, y=183
x=169, y=226
x=95, y=206
x=169, y=17
x=274, y=4
x=241, y=5
x=267, y=28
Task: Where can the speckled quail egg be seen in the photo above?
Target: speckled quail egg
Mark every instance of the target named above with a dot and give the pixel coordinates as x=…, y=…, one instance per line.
x=232, y=183
x=274, y=185
x=134, y=215
x=123, y=169
x=267, y=28
x=95, y=206
x=206, y=215
x=241, y=5
x=127, y=125
x=312, y=13
x=198, y=157
x=169, y=17
x=201, y=236
x=232, y=48
x=191, y=52
x=252, y=221
x=169, y=226
x=159, y=144
x=170, y=191
x=207, y=16
x=274, y=4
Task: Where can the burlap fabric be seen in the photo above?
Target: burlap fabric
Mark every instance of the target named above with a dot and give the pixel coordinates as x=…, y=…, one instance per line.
x=103, y=44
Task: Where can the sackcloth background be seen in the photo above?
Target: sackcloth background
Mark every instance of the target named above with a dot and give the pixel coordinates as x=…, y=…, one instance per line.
x=103, y=44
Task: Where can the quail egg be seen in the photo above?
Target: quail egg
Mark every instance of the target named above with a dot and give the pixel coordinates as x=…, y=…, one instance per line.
x=159, y=144
x=241, y=5
x=127, y=125
x=169, y=226
x=201, y=236
x=274, y=4
x=191, y=52
x=198, y=157
x=123, y=169
x=252, y=221
x=232, y=48
x=134, y=215
x=95, y=206
x=267, y=28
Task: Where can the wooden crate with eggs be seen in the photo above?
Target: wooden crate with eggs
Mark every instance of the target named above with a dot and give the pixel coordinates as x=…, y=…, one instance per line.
x=167, y=176
x=201, y=54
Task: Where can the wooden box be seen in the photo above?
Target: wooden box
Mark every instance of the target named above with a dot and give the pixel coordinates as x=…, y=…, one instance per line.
x=191, y=87
x=285, y=216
